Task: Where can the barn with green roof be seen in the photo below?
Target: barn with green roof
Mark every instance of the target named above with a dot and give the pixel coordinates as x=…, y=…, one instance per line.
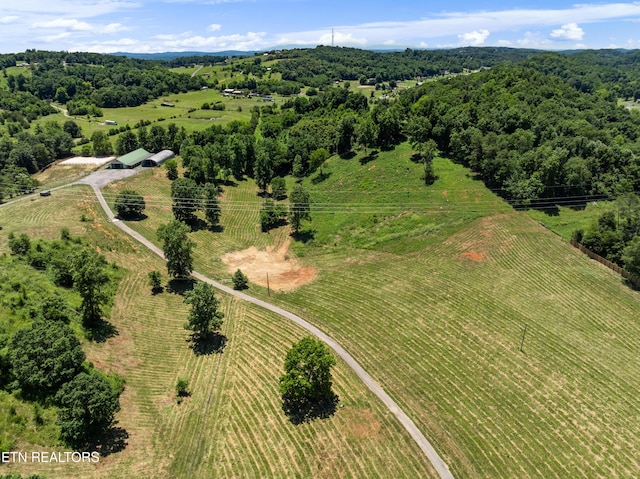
x=130, y=160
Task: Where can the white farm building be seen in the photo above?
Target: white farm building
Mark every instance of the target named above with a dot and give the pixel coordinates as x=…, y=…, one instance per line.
x=158, y=158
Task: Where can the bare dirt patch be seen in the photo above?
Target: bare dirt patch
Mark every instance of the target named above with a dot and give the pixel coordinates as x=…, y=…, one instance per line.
x=473, y=256
x=363, y=424
x=284, y=274
x=483, y=241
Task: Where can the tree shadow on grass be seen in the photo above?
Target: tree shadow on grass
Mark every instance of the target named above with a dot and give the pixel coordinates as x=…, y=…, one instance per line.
x=320, y=177
x=228, y=182
x=158, y=290
x=197, y=224
x=100, y=330
x=304, y=236
x=635, y=286
x=180, y=285
x=136, y=217
x=373, y=154
x=417, y=158
x=302, y=411
x=204, y=345
x=348, y=155
x=111, y=441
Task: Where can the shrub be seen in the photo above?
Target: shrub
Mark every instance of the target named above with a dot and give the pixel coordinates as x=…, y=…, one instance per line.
x=182, y=389
x=240, y=280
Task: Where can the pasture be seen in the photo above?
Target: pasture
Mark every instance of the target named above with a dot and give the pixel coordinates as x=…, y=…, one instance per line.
x=431, y=289
x=232, y=424
x=564, y=220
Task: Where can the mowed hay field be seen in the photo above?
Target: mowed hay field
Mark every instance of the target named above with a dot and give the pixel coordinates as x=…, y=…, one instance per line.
x=438, y=320
x=232, y=424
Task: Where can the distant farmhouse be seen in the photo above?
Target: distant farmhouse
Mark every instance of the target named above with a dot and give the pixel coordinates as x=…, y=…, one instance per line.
x=158, y=158
x=130, y=160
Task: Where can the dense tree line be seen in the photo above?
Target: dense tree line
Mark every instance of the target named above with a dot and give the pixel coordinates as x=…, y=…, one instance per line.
x=323, y=65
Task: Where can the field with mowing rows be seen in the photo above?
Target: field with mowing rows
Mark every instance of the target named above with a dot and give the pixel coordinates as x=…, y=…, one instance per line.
x=232, y=424
x=433, y=300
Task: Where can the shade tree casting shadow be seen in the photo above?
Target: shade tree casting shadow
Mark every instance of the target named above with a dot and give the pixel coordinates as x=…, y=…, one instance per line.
x=180, y=285
x=305, y=410
x=206, y=344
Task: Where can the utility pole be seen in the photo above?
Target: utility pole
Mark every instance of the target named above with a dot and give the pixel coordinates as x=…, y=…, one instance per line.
x=268, y=289
x=523, y=335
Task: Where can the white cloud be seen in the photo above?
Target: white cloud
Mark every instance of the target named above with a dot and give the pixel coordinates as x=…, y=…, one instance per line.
x=53, y=38
x=169, y=37
x=475, y=38
x=448, y=25
x=110, y=46
x=249, y=41
x=71, y=24
x=214, y=27
x=9, y=19
x=114, y=28
x=71, y=8
x=569, y=31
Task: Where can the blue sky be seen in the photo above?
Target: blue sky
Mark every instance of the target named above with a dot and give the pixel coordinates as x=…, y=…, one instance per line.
x=149, y=26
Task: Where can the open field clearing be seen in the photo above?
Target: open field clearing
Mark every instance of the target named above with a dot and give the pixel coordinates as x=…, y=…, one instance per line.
x=566, y=220
x=434, y=303
x=232, y=424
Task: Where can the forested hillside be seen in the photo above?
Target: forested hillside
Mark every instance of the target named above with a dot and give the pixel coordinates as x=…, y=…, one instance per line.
x=323, y=65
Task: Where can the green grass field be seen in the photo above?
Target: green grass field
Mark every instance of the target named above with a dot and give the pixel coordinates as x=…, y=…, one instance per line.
x=565, y=220
x=431, y=289
x=180, y=114
x=232, y=425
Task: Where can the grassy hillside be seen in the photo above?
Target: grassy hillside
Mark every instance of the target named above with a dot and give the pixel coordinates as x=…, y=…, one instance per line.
x=433, y=295
x=232, y=425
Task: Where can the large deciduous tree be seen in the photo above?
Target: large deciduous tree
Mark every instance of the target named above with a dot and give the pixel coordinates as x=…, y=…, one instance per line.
x=306, y=382
x=299, y=207
x=177, y=247
x=127, y=142
x=204, y=317
x=211, y=205
x=186, y=198
x=89, y=278
x=263, y=169
x=631, y=256
x=101, y=144
x=44, y=356
x=129, y=204
x=87, y=405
